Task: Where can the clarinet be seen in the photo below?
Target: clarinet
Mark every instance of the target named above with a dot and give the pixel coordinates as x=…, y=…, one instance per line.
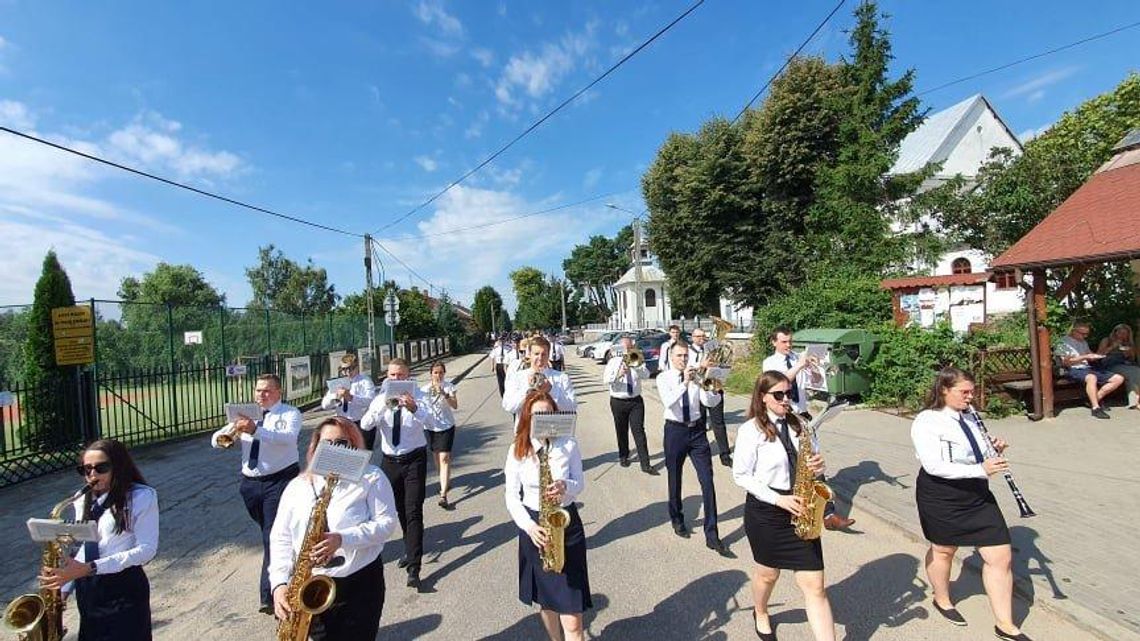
x=1022, y=504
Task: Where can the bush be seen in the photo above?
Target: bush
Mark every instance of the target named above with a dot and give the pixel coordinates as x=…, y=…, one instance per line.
x=744, y=375
x=902, y=371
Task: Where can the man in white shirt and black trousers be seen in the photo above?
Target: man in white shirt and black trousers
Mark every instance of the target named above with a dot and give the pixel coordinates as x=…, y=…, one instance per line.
x=698, y=353
x=269, y=461
x=557, y=384
x=785, y=360
x=502, y=354
x=352, y=402
x=627, y=405
x=404, y=447
x=557, y=353
x=685, y=437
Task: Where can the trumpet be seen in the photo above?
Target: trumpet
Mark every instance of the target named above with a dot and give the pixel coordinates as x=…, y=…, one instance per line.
x=228, y=439
x=537, y=382
x=393, y=402
x=634, y=358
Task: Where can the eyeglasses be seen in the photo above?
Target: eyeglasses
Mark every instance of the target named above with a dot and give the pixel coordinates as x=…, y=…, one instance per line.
x=339, y=442
x=347, y=370
x=780, y=395
x=98, y=468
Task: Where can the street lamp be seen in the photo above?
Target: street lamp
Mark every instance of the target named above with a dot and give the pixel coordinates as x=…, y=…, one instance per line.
x=639, y=320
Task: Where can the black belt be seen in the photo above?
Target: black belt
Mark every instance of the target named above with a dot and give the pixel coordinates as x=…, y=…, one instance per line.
x=288, y=472
x=631, y=398
x=692, y=425
x=405, y=458
x=781, y=492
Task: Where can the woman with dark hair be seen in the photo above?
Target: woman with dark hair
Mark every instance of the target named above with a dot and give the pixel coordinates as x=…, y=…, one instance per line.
x=562, y=596
x=767, y=449
x=111, y=589
x=361, y=517
x=443, y=400
x=955, y=504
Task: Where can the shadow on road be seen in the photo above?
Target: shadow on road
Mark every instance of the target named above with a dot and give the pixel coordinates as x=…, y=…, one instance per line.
x=1025, y=550
x=413, y=629
x=849, y=480
x=529, y=627
x=698, y=611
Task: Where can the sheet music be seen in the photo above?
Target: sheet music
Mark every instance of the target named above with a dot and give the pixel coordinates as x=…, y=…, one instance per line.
x=45, y=530
x=234, y=411
x=397, y=388
x=340, y=383
x=345, y=462
x=831, y=412
x=544, y=425
x=813, y=375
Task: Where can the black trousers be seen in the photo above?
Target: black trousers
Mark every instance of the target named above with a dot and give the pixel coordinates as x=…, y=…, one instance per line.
x=369, y=437
x=114, y=607
x=261, y=496
x=501, y=376
x=719, y=429
x=355, y=614
x=629, y=414
x=558, y=364
x=683, y=442
x=408, y=476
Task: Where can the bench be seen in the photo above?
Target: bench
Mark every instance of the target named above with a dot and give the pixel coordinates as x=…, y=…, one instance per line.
x=1006, y=371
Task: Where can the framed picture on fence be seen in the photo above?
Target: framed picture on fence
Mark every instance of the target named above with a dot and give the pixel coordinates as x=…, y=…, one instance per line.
x=366, y=357
x=415, y=352
x=423, y=349
x=334, y=362
x=298, y=377
x=446, y=344
x=431, y=346
x=385, y=356
x=400, y=353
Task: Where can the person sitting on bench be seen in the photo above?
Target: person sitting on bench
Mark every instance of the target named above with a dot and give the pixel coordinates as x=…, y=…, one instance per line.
x=1120, y=358
x=1083, y=366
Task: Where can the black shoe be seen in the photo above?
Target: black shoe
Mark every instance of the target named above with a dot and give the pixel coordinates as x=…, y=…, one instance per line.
x=625, y=461
x=443, y=502
x=680, y=530
x=1100, y=413
x=1020, y=636
x=720, y=548
x=726, y=460
x=402, y=563
x=764, y=636
x=952, y=615
x=266, y=609
x=414, y=580
x=650, y=471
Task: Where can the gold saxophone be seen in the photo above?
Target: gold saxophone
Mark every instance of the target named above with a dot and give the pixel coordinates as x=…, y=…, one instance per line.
x=814, y=493
x=309, y=594
x=551, y=517
x=39, y=616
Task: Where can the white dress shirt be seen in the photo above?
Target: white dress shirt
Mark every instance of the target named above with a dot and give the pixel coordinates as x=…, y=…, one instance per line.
x=363, y=514
x=619, y=382
x=565, y=465
x=943, y=448
x=444, y=416
x=362, y=391
x=557, y=352
x=412, y=424
x=779, y=363
x=664, y=351
x=503, y=354
x=670, y=387
x=518, y=384
x=761, y=466
x=137, y=543
x=277, y=432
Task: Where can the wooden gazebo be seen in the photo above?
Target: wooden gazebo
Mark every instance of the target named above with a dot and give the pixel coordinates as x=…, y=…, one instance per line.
x=1098, y=223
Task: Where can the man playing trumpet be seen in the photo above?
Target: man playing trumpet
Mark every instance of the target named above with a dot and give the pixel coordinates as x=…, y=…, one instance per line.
x=623, y=377
x=539, y=377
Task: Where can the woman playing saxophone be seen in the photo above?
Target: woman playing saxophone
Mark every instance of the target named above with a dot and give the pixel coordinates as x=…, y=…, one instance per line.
x=767, y=454
x=361, y=517
x=562, y=596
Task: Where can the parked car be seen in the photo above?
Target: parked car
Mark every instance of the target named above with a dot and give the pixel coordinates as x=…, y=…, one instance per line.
x=650, y=346
x=566, y=339
x=603, y=350
x=587, y=349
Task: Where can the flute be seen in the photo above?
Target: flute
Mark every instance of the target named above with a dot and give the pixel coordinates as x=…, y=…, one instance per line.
x=1022, y=504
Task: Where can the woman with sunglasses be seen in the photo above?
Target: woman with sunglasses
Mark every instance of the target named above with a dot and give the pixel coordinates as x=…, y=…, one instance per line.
x=111, y=588
x=361, y=517
x=955, y=504
x=767, y=449
x=562, y=596
x=441, y=434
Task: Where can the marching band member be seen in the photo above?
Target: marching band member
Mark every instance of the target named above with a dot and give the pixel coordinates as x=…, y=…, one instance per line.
x=404, y=447
x=699, y=357
x=443, y=400
x=767, y=447
x=110, y=586
x=502, y=355
x=562, y=596
x=685, y=438
x=353, y=402
x=555, y=383
x=268, y=462
x=785, y=360
x=557, y=353
x=361, y=517
x=674, y=336
x=955, y=504
x=523, y=345
x=627, y=405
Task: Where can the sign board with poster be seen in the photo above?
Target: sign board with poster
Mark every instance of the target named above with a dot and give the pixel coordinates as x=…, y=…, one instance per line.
x=400, y=353
x=385, y=356
x=334, y=362
x=192, y=338
x=431, y=347
x=74, y=331
x=366, y=358
x=447, y=344
x=423, y=350
x=234, y=371
x=298, y=377
x=415, y=352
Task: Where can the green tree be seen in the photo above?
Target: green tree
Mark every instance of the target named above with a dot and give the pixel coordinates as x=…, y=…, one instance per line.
x=595, y=266
x=283, y=285
x=13, y=336
x=50, y=411
x=539, y=305
x=416, y=317
x=447, y=320
x=487, y=302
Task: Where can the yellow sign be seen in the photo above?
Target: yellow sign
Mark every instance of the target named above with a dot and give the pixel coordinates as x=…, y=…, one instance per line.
x=74, y=335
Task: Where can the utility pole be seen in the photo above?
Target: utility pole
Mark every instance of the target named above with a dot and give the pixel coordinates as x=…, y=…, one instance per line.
x=640, y=315
x=493, y=318
x=563, y=285
x=368, y=292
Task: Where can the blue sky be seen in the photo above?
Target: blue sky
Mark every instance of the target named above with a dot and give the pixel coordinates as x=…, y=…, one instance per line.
x=350, y=114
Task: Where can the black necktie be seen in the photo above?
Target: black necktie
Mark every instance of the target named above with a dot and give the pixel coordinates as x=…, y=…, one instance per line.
x=794, y=390
x=91, y=548
x=255, y=446
x=685, y=415
x=970, y=437
x=786, y=439
x=397, y=417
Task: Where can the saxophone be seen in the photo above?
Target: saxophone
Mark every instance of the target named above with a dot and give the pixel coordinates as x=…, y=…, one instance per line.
x=39, y=616
x=814, y=494
x=551, y=517
x=309, y=594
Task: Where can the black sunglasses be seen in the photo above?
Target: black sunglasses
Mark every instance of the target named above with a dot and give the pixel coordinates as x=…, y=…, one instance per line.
x=98, y=468
x=339, y=442
x=779, y=395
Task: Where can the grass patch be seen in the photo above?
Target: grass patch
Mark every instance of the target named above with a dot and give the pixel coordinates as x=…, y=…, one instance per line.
x=743, y=376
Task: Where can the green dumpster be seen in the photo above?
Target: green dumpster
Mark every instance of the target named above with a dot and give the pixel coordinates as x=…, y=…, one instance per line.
x=843, y=355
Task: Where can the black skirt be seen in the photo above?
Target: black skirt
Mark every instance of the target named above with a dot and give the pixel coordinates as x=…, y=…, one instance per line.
x=774, y=541
x=441, y=441
x=114, y=607
x=565, y=592
x=959, y=511
x=355, y=613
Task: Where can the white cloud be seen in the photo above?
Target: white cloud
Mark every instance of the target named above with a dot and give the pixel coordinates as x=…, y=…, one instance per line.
x=431, y=12
x=485, y=56
x=591, y=179
x=426, y=163
x=475, y=129
x=1030, y=134
x=150, y=140
x=537, y=74
x=15, y=114
x=462, y=80
x=439, y=48
x=1034, y=89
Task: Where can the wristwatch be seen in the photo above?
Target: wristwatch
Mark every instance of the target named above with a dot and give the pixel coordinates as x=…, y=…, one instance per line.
x=94, y=568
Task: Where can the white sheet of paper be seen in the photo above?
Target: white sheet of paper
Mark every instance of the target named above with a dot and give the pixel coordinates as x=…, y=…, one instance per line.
x=234, y=411
x=398, y=388
x=44, y=530
x=345, y=462
x=544, y=425
x=828, y=414
x=335, y=384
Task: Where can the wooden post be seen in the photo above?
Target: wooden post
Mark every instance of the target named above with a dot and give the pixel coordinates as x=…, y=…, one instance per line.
x=1044, y=353
x=896, y=308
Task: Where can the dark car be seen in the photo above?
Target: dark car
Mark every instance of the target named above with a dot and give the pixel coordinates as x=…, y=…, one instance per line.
x=651, y=346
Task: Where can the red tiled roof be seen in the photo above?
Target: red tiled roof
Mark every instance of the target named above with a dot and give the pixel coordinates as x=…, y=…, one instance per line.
x=948, y=280
x=1100, y=222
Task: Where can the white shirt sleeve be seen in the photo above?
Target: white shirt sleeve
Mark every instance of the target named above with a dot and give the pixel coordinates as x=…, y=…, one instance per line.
x=283, y=431
x=575, y=480
x=382, y=508
x=669, y=388
x=515, y=391
x=330, y=401
x=512, y=470
x=144, y=526
x=373, y=417
x=710, y=399
x=363, y=393
x=612, y=367
x=280, y=537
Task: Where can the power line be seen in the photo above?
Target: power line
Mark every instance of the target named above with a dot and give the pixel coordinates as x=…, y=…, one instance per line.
x=406, y=266
x=1029, y=58
x=507, y=220
x=489, y=159
x=174, y=183
x=787, y=62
